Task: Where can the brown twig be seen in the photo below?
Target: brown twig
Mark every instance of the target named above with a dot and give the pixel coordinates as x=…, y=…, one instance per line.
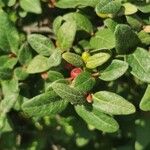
x=32, y=29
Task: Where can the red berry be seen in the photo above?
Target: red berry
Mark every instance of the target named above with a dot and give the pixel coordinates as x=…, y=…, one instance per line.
x=75, y=72
x=89, y=98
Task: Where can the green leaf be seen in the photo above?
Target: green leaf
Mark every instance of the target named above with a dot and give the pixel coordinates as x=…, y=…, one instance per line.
x=97, y=60
x=142, y=128
x=25, y=54
x=49, y=85
x=33, y=6
x=9, y=38
x=144, y=37
x=82, y=22
x=115, y=70
x=145, y=8
x=103, y=39
x=112, y=103
x=135, y=22
x=139, y=62
x=73, y=59
x=130, y=9
x=5, y=73
x=97, y=119
x=10, y=89
x=41, y=44
x=145, y=102
x=76, y=3
x=111, y=24
x=20, y=73
x=44, y=105
x=11, y=3
x=64, y=40
x=108, y=7
x=70, y=94
x=38, y=64
x=5, y=125
x=54, y=75
x=126, y=39
x=84, y=82
x=55, y=58
x=57, y=24
x=7, y=61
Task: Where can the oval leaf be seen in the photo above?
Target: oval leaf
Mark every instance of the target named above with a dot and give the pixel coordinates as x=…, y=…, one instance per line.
x=103, y=39
x=5, y=73
x=73, y=59
x=82, y=22
x=9, y=37
x=139, y=62
x=97, y=119
x=45, y=104
x=112, y=103
x=76, y=3
x=65, y=92
x=64, y=40
x=97, y=60
x=84, y=82
x=145, y=102
x=126, y=39
x=108, y=7
x=33, y=6
x=41, y=44
x=115, y=70
x=130, y=8
x=55, y=58
x=38, y=64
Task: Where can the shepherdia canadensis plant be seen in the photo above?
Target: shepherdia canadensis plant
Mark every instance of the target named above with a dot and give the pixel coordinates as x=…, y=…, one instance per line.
x=74, y=74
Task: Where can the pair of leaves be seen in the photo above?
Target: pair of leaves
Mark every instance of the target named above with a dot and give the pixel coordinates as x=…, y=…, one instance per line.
x=105, y=102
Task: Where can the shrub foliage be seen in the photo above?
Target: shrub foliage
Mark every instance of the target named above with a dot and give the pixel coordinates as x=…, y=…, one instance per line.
x=74, y=74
